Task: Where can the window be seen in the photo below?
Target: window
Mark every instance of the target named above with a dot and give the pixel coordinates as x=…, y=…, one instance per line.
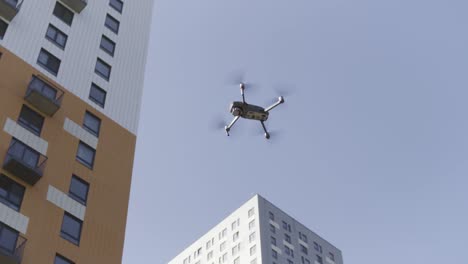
x=237, y=260
x=3, y=28
x=209, y=255
x=254, y=261
x=289, y=251
x=274, y=254
x=273, y=241
x=48, y=61
x=79, y=190
x=303, y=237
x=251, y=212
x=112, y=23
x=86, y=155
x=331, y=256
x=31, y=120
x=235, y=224
x=236, y=249
x=26, y=154
x=271, y=216
x=318, y=247
x=92, y=123
x=56, y=36
x=222, y=233
x=8, y=239
x=252, y=237
x=71, y=228
x=290, y=261
x=305, y=260
x=235, y=236
x=103, y=69
x=253, y=250
x=97, y=95
x=222, y=246
x=61, y=260
x=304, y=250
x=63, y=13
x=272, y=228
x=117, y=5
x=107, y=45
x=319, y=259
x=286, y=226
x=287, y=238
x=44, y=88
x=251, y=224
x=11, y=193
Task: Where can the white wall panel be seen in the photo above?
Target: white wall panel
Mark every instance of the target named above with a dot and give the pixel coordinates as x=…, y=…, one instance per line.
x=80, y=133
x=25, y=37
x=63, y=201
x=13, y=219
x=25, y=136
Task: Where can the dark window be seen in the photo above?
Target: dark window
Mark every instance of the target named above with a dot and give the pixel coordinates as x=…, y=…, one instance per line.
x=274, y=254
x=26, y=154
x=319, y=259
x=290, y=261
x=79, y=190
x=331, y=256
x=3, y=28
x=112, y=23
x=92, y=123
x=97, y=95
x=61, y=260
x=86, y=155
x=56, y=36
x=107, y=45
x=63, y=13
x=31, y=120
x=272, y=228
x=273, y=241
x=287, y=238
x=103, y=69
x=11, y=193
x=49, y=61
x=304, y=250
x=117, y=5
x=318, y=247
x=305, y=260
x=44, y=88
x=271, y=216
x=8, y=239
x=71, y=228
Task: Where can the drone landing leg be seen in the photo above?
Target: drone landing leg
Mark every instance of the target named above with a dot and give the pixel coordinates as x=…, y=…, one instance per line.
x=280, y=101
x=267, y=135
x=228, y=128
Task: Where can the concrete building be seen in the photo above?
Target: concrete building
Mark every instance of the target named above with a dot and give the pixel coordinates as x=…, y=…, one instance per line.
x=71, y=81
x=259, y=233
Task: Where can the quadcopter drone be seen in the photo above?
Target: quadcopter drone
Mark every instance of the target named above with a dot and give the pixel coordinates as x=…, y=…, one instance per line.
x=250, y=111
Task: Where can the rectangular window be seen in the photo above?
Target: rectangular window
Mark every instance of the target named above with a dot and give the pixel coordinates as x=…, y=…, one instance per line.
x=290, y=261
x=26, y=154
x=11, y=193
x=61, y=260
x=86, y=155
x=79, y=190
x=103, y=69
x=48, y=62
x=44, y=88
x=305, y=260
x=3, y=28
x=235, y=236
x=222, y=247
x=8, y=239
x=304, y=250
x=287, y=238
x=97, y=95
x=31, y=120
x=56, y=36
x=303, y=237
x=271, y=216
x=251, y=212
x=117, y=5
x=112, y=23
x=92, y=123
x=107, y=45
x=319, y=259
x=71, y=228
x=272, y=228
x=253, y=250
x=252, y=237
x=318, y=247
x=251, y=224
x=63, y=13
x=331, y=256
x=273, y=241
x=274, y=254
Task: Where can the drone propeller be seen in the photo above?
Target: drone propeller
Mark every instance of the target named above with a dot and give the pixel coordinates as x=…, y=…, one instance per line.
x=238, y=77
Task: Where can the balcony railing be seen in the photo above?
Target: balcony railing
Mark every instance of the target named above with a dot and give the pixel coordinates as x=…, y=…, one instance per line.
x=9, y=8
x=44, y=96
x=15, y=255
x=76, y=5
x=24, y=162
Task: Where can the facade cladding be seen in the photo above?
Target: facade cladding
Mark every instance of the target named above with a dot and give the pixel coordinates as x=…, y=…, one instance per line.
x=260, y=233
x=70, y=91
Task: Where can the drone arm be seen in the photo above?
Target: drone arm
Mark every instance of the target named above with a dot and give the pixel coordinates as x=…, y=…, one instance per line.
x=280, y=101
x=242, y=87
x=228, y=127
x=267, y=135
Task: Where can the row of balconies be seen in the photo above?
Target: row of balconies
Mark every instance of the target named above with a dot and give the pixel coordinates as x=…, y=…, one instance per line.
x=23, y=161
x=9, y=8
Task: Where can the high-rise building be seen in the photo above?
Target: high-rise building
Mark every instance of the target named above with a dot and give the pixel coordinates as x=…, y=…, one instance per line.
x=260, y=233
x=71, y=81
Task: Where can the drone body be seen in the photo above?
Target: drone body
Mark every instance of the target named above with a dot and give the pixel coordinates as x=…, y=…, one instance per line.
x=249, y=111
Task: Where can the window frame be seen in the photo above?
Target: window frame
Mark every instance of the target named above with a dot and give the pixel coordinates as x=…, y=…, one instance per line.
x=114, y=20
x=99, y=89
x=64, y=11
x=67, y=236
x=22, y=121
x=66, y=260
x=5, y=227
x=81, y=160
x=88, y=128
x=7, y=200
x=3, y=28
x=57, y=33
x=45, y=65
x=115, y=7
x=75, y=196
x=111, y=42
x=101, y=61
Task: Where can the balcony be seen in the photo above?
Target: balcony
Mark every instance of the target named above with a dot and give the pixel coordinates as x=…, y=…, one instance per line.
x=12, y=248
x=24, y=162
x=9, y=8
x=44, y=96
x=76, y=5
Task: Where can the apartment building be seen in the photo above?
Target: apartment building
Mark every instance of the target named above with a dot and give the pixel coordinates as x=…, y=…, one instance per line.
x=71, y=80
x=260, y=233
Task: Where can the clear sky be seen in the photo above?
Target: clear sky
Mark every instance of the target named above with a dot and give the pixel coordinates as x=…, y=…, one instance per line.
x=371, y=150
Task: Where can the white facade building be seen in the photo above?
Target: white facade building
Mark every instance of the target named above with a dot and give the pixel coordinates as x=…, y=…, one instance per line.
x=259, y=233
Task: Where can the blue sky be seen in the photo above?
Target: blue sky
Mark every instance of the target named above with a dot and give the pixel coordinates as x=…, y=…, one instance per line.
x=371, y=149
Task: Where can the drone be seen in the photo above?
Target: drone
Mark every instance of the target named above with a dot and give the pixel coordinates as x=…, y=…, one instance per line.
x=249, y=111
